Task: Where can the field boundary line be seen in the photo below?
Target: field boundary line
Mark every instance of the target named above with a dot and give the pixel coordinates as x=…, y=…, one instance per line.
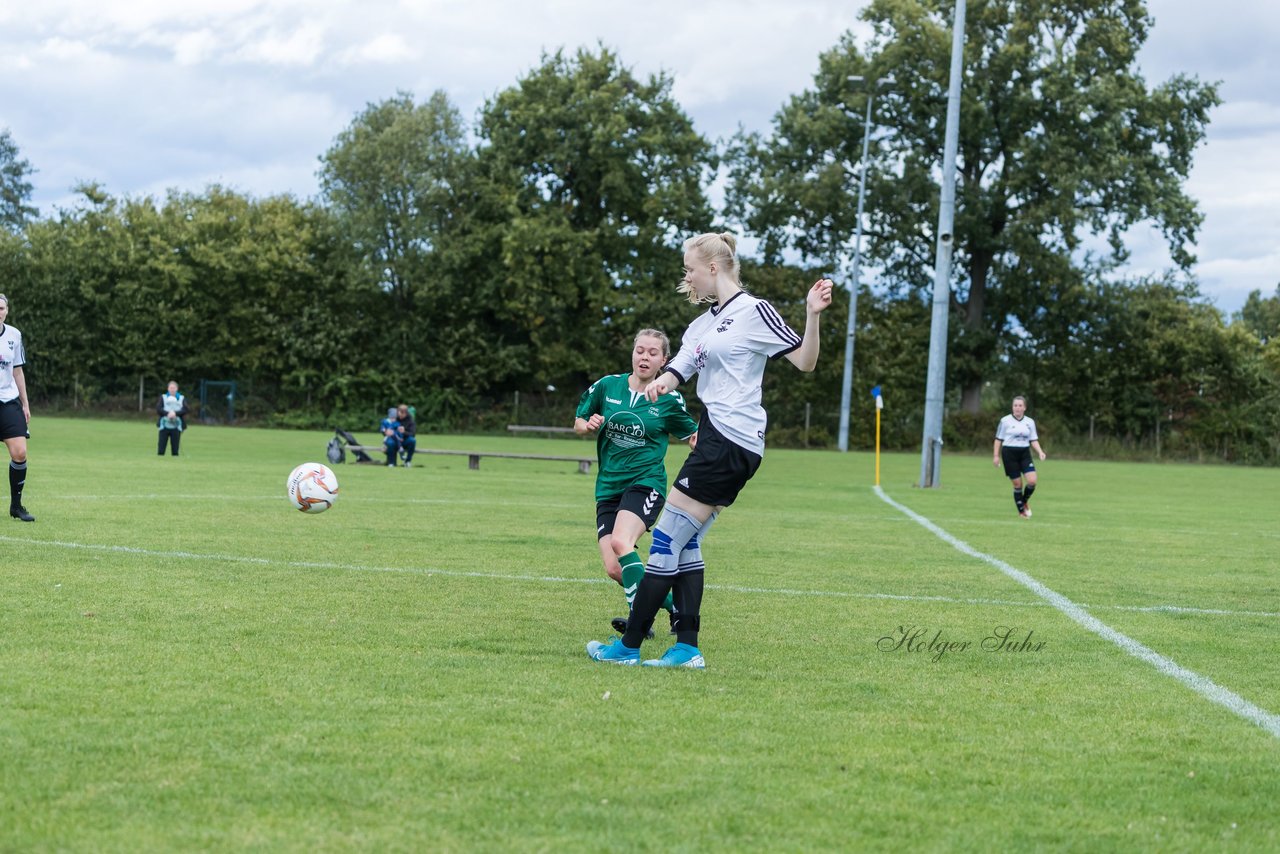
x=1202, y=685
x=554, y=579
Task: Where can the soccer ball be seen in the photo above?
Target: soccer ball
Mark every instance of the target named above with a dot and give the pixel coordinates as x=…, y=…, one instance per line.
x=313, y=488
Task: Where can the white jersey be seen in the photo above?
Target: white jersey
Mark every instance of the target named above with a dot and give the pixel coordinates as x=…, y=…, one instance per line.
x=1017, y=432
x=728, y=348
x=11, y=356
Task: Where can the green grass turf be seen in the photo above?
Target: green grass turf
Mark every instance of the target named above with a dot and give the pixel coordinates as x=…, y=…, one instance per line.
x=187, y=663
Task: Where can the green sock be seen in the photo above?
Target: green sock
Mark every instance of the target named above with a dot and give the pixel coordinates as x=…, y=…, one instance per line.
x=632, y=572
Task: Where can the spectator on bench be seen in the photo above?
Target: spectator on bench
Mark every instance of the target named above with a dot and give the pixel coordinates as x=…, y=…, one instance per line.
x=407, y=432
x=399, y=435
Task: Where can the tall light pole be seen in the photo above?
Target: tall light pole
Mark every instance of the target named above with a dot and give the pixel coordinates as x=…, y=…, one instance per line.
x=846, y=393
x=935, y=387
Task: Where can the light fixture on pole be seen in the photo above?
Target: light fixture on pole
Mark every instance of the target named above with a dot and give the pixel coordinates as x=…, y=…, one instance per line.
x=846, y=390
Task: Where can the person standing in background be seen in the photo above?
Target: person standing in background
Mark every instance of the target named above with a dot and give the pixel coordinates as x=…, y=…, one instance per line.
x=15, y=411
x=1016, y=438
x=172, y=418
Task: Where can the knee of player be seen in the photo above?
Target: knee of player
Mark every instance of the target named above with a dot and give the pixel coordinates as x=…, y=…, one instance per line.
x=621, y=544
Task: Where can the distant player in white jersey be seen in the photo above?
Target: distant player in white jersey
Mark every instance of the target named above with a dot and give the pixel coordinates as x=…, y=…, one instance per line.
x=15, y=412
x=727, y=347
x=1016, y=438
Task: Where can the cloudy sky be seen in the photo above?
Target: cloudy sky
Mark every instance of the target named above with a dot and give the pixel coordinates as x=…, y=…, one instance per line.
x=145, y=95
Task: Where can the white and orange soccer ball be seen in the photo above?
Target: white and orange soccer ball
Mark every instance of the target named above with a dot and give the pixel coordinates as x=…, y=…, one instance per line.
x=313, y=488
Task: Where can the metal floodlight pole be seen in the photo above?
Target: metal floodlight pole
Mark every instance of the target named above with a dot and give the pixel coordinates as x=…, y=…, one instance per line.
x=846, y=392
x=935, y=388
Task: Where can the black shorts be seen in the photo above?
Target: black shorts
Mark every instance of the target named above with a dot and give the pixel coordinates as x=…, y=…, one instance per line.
x=643, y=501
x=13, y=424
x=1016, y=461
x=717, y=469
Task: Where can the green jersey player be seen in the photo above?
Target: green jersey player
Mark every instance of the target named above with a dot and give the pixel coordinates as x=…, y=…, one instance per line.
x=631, y=444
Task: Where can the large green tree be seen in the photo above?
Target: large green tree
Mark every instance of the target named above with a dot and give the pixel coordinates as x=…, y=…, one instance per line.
x=594, y=176
x=15, y=189
x=1063, y=149
x=392, y=178
x=398, y=183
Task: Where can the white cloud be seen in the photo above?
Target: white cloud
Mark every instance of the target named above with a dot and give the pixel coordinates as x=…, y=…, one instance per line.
x=387, y=47
x=60, y=49
x=301, y=47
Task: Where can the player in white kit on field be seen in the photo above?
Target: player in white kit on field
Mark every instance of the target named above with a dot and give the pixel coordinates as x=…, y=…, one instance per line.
x=1016, y=438
x=15, y=411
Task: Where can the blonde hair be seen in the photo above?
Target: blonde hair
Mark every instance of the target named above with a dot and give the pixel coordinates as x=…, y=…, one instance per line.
x=660, y=335
x=722, y=249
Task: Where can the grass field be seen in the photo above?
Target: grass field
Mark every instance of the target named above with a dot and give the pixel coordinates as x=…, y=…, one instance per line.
x=186, y=663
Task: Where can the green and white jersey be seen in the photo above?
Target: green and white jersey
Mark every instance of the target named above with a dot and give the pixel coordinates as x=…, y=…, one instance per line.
x=632, y=442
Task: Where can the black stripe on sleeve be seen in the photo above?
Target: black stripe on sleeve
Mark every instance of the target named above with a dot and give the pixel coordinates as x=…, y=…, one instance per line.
x=777, y=325
x=791, y=349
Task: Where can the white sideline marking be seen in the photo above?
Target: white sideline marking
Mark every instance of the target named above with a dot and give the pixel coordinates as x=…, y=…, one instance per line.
x=276, y=499
x=301, y=564
x=1203, y=686
x=554, y=579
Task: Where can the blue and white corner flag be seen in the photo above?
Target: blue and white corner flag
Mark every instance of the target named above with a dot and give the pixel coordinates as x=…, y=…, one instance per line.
x=875, y=392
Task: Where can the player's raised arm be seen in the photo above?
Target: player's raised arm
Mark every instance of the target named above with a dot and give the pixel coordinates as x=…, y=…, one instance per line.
x=805, y=357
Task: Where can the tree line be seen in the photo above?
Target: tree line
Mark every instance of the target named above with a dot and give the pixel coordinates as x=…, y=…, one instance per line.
x=456, y=264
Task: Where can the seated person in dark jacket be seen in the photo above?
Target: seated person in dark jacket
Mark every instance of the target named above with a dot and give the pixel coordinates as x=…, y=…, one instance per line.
x=399, y=435
x=407, y=432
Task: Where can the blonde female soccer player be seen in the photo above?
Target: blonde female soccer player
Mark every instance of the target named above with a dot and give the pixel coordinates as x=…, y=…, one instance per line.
x=727, y=348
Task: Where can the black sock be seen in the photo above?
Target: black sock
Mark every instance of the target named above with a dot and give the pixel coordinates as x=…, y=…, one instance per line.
x=649, y=597
x=17, y=478
x=1026, y=492
x=688, y=600
x=1018, y=499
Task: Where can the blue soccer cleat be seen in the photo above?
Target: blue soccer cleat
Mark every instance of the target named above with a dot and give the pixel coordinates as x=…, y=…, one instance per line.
x=680, y=655
x=615, y=652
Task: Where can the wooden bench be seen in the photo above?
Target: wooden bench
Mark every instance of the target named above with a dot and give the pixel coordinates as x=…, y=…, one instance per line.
x=473, y=457
x=368, y=449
